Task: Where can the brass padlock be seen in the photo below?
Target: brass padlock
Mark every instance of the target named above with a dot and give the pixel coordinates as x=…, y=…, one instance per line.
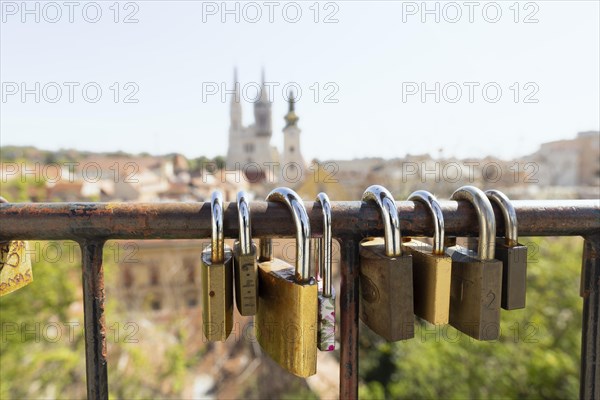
x=217, y=278
x=15, y=265
x=512, y=254
x=286, y=321
x=476, y=283
x=244, y=260
x=386, y=275
x=326, y=317
x=431, y=266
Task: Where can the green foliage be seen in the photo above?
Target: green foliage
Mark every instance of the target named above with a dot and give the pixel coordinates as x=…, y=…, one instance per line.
x=24, y=188
x=300, y=393
x=537, y=355
x=38, y=336
x=220, y=161
x=205, y=164
x=42, y=337
x=142, y=365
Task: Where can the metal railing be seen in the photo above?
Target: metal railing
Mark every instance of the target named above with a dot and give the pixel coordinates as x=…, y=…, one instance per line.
x=91, y=224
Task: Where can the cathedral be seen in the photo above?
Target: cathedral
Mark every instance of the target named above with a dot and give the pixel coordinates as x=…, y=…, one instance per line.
x=250, y=148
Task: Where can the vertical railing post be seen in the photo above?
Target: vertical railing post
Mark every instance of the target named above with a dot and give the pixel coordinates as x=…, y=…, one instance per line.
x=95, y=325
x=590, y=336
x=349, y=318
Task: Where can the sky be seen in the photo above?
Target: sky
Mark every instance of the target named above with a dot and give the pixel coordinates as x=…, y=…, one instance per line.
x=376, y=79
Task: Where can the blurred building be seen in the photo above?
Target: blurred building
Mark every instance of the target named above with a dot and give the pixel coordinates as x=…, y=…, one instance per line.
x=157, y=276
x=574, y=162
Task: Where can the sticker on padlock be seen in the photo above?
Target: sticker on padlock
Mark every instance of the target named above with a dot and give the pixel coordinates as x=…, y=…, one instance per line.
x=15, y=266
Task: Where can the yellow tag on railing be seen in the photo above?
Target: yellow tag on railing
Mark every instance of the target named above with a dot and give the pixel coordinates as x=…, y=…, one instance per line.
x=15, y=266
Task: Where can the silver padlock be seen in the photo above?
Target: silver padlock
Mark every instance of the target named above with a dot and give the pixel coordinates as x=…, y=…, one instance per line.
x=244, y=260
x=326, y=326
x=512, y=254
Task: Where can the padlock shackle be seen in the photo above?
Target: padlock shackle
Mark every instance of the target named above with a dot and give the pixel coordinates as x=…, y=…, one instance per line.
x=509, y=213
x=300, y=216
x=266, y=249
x=217, y=251
x=315, y=254
x=325, y=247
x=485, y=215
x=433, y=205
x=389, y=213
x=244, y=223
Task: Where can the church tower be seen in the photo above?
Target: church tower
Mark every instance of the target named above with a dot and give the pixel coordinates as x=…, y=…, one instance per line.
x=292, y=157
x=262, y=112
x=234, y=151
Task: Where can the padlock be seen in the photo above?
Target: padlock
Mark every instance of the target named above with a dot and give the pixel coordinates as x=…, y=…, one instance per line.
x=386, y=275
x=326, y=317
x=286, y=321
x=476, y=283
x=512, y=254
x=431, y=266
x=244, y=260
x=15, y=265
x=217, y=279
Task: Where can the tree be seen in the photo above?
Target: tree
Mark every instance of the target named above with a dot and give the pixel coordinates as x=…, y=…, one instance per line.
x=220, y=162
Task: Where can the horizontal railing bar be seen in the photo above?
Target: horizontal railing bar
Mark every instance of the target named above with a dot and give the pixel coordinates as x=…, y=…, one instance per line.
x=77, y=221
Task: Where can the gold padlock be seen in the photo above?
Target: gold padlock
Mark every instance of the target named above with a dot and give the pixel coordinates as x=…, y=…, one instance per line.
x=386, y=278
x=15, y=265
x=217, y=279
x=476, y=283
x=244, y=260
x=431, y=267
x=286, y=321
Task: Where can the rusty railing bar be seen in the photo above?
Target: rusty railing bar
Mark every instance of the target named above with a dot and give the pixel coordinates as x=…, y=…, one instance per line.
x=94, y=321
x=349, y=304
x=57, y=221
x=590, y=336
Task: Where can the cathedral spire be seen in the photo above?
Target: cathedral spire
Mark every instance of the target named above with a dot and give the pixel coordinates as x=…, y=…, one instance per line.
x=236, y=107
x=291, y=118
x=236, y=85
x=262, y=110
x=264, y=93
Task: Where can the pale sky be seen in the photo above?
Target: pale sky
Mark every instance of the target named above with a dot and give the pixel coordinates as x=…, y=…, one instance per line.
x=371, y=61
